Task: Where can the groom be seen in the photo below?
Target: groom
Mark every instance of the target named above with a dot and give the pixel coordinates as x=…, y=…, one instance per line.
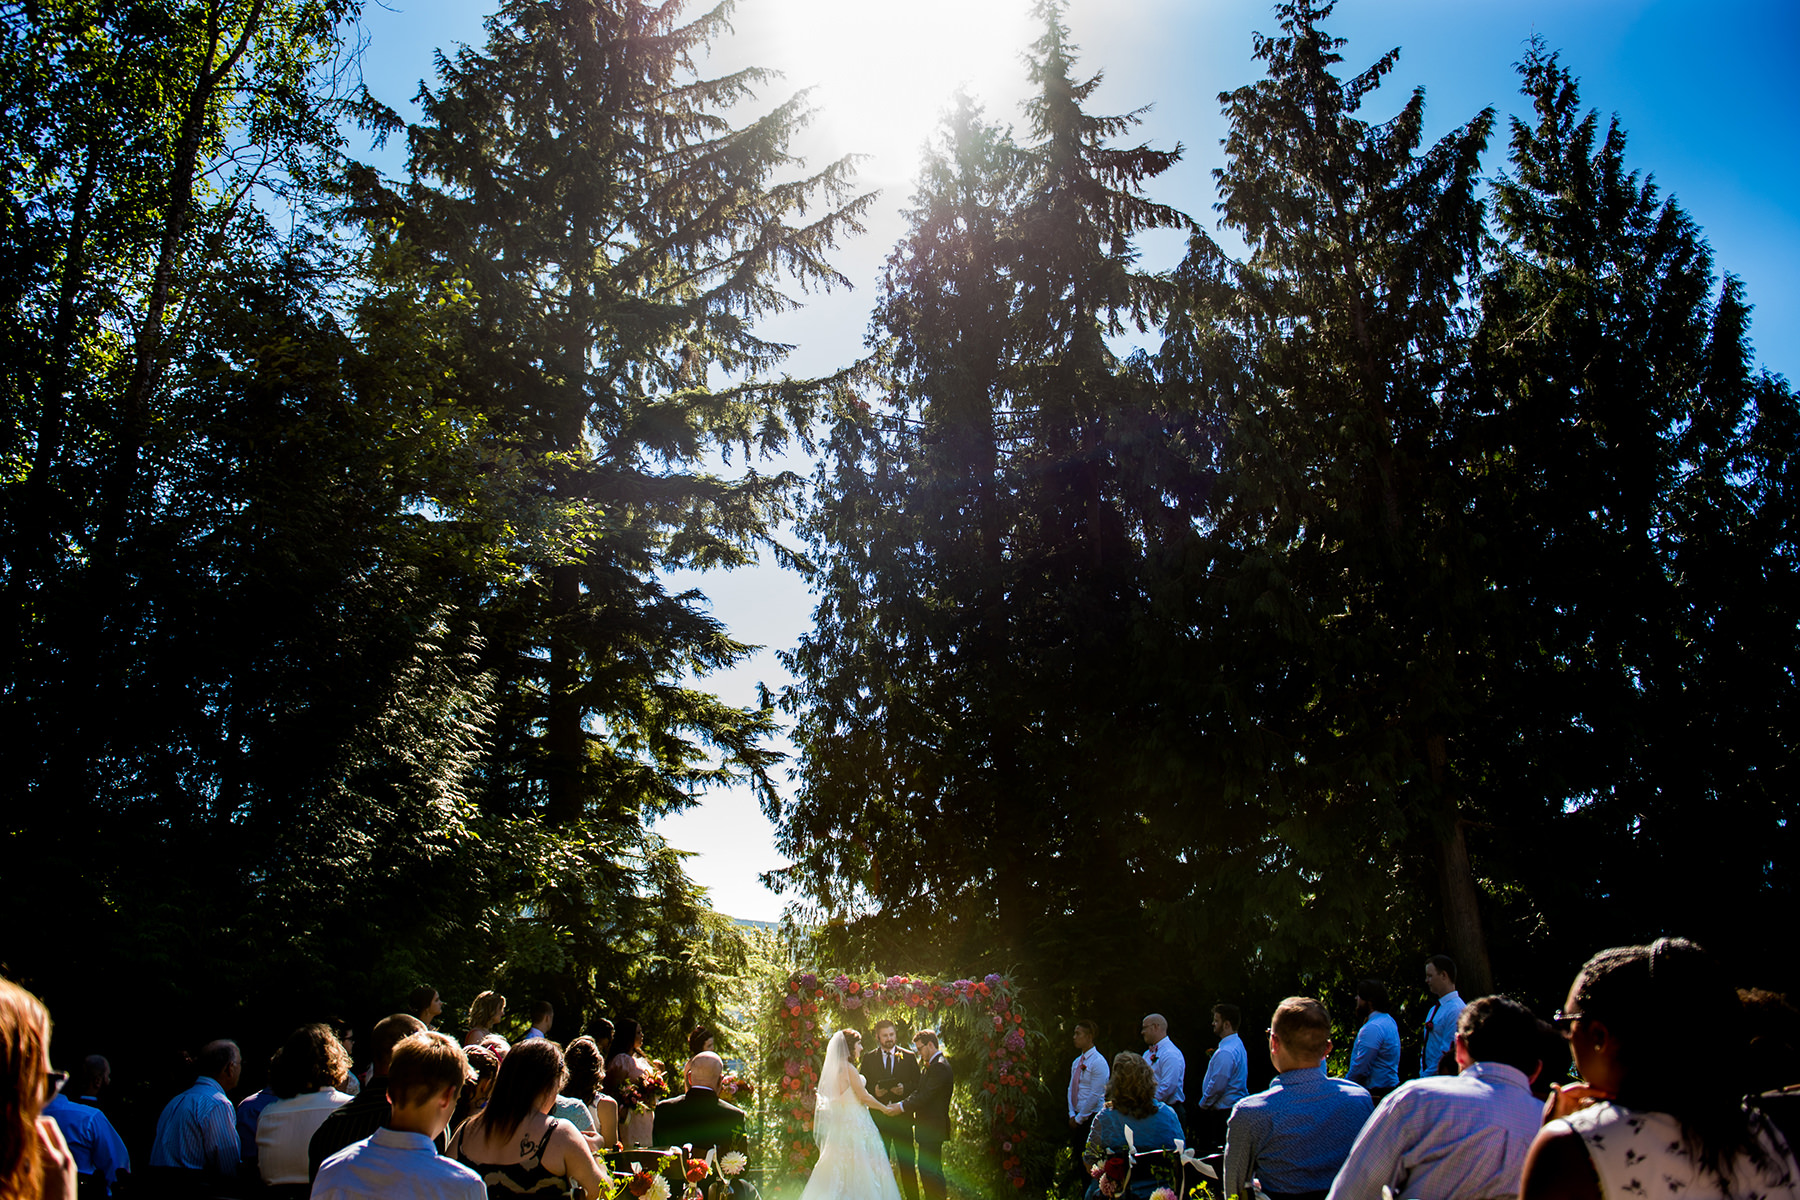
x=929, y=1107
x=891, y=1074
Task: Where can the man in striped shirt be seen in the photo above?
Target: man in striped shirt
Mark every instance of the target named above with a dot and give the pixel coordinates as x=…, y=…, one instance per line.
x=197, y=1132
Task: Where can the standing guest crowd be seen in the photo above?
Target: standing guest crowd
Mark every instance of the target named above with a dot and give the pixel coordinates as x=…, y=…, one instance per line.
x=1650, y=1119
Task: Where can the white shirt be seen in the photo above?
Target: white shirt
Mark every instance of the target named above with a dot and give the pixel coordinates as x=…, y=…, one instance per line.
x=1446, y=1137
x=285, y=1128
x=1227, y=1074
x=1087, y=1084
x=1170, y=1068
x=404, y=1166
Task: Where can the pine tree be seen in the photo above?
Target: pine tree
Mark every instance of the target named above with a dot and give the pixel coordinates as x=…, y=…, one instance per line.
x=618, y=237
x=977, y=559
x=1342, y=595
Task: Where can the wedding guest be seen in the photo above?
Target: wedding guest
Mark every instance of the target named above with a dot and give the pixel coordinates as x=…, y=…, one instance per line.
x=35, y=1159
x=91, y=1080
x=365, y=1114
x=1456, y=1137
x=100, y=1155
x=1293, y=1137
x=625, y=1078
x=586, y=1072
x=249, y=1112
x=1154, y=1125
x=543, y=1015
x=1375, y=1055
x=514, y=1144
x=1227, y=1078
x=698, y=1118
x=345, y=1033
x=196, y=1145
x=426, y=1074
x=1648, y=1109
x=425, y=1004
x=1440, y=1020
x=485, y=1012
x=1166, y=1061
x=484, y=1066
x=601, y=1030
x=305, y=1076
x=701, y=1041
x=1088, y=1076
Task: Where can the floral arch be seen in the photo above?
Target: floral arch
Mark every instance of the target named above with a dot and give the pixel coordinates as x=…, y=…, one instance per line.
x=980, y=1019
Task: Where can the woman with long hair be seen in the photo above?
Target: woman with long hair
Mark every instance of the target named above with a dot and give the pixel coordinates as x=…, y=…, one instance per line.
x=34, y=1159
x=852, y=1164
x=305, y=1075
x=485, y=1012
x=514, y=1144
x=586, y=1073
x=1651, y=1116
x=626, y=1076
x=1131, y=1092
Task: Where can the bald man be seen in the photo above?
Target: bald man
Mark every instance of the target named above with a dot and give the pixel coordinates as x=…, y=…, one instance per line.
x=1166, y=1061
x=698, y=1118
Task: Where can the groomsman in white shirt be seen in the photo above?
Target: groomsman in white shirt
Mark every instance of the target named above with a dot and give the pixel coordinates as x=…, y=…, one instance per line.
x=1167, y=1063
x=1087, y=1089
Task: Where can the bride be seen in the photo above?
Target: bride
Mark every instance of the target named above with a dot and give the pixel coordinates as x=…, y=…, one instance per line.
x=852, y=1164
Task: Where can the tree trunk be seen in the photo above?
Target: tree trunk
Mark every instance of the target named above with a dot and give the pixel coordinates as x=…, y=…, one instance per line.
x=1462, y=914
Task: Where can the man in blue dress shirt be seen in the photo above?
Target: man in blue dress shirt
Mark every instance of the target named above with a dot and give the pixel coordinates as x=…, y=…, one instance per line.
x=1227, y=1079
x=399, y=1161
x=99, y=1153
x=1293, y=1138
x=1440, y=1021
x=1375, y=1058
x=197, y=1132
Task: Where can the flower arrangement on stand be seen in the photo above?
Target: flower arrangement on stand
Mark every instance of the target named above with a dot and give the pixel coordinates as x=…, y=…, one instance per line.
x=986, y=1008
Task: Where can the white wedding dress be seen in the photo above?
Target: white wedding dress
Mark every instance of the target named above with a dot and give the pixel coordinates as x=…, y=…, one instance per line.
x=852, y=1164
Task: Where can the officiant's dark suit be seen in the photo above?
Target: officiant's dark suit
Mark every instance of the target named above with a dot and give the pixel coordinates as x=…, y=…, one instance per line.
x=930, y=1109
x=698, y=1118
x=884, y=1071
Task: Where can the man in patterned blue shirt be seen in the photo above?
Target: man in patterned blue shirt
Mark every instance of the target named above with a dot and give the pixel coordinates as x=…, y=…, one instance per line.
x=1293, y=1138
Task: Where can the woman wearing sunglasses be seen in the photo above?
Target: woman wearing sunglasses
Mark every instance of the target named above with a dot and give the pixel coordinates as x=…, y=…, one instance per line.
x=34, y=1159
x=1651, y=1118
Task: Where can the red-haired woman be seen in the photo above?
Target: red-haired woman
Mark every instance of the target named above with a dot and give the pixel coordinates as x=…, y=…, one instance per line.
x=34, y=1159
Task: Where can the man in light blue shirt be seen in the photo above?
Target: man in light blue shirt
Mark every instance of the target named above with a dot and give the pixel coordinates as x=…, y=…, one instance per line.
x=1166, y=1061
x=1293, y=1138
x=93, y=1141
x=198, y=1129
x=400, y=1159
x=1227, y=1079
x=1440, y=1022
x=1375, y=1058
x=1456, y=1137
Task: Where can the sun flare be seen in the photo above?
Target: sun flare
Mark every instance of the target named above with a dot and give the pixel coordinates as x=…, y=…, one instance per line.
x=883, y=73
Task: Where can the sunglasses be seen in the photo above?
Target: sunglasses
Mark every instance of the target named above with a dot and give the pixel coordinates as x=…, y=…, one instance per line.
x=54, y=1081
x=1565, y=1021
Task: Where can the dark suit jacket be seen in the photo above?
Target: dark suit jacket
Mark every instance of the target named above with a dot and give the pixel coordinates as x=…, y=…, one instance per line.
x=701, y=1120
x=876, y=1075
x=930, y=1105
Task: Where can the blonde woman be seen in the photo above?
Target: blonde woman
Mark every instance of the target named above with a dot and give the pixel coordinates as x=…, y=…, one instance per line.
x=34, y=1158
x=485, y=1012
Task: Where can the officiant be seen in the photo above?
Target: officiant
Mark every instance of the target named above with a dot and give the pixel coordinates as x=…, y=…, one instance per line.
x=891, y=1074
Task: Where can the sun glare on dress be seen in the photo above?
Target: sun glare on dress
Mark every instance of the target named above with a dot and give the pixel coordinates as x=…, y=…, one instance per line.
x=883, y=72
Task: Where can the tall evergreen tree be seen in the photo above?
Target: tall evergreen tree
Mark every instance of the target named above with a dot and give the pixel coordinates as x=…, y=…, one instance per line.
x=1339, y=578
x=618, y=237
x=978, y=565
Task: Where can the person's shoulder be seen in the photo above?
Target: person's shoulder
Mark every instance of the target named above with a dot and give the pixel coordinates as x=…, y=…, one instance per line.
x=1349, y=1090
x=671, y=1102
x=732, y=1110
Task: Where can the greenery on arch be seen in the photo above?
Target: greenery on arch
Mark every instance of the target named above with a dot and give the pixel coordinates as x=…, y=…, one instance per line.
x=982, y=1021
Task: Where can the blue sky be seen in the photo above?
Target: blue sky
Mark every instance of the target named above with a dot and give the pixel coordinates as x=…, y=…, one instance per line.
x=1708, y=94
